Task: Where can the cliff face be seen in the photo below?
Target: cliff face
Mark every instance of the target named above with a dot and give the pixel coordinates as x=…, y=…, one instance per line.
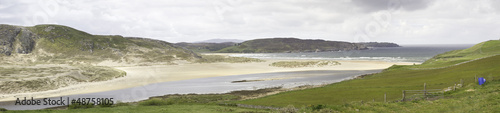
x=48, y=43
x=7, y=38
x=277, y=45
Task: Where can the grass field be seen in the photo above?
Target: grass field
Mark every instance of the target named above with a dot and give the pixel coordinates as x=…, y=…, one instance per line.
x=392, y=81
x=153, y=109
x=469, y=99
x=480, y=50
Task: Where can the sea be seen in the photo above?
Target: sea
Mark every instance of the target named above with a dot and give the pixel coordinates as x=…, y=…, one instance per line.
x=406, y=53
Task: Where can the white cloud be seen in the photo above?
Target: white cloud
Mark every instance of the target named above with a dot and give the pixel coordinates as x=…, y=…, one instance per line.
x=423, y=21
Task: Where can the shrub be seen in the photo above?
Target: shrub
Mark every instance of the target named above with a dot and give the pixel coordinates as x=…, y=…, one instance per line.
x=155, y=102
x=3, y=109
x=288, y=109
x=316, y=107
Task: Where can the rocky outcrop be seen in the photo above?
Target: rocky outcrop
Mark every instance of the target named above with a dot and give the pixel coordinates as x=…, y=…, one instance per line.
x=26, y=41
x=8, y=34
x=16, y=38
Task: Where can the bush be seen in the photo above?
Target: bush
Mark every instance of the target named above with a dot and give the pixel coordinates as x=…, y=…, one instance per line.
x=3, y=109
x=288, y=109
x=155, y=102
x=316, y=107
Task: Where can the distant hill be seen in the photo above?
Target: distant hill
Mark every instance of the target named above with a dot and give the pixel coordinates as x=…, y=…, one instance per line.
x=379, y=44
x=62, y=44
x=220, y=41
x=278, y=45
x=205, y=47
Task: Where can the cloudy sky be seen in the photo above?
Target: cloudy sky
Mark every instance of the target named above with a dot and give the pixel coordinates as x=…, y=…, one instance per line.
x=400, y=21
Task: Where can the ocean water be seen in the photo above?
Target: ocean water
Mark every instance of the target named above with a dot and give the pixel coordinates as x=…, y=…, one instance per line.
x=406, y=53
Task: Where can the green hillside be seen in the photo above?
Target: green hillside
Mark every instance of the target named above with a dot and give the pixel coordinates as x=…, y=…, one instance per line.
x=393, y=80
x=205, y=47
x=481, y=50
x=279, y=45
x=61, y=44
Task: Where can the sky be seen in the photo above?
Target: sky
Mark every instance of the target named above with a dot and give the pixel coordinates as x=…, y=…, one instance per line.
x=399, y=21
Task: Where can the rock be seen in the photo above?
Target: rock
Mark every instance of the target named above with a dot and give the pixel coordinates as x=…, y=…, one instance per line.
x=27, y=40
x=8, y=34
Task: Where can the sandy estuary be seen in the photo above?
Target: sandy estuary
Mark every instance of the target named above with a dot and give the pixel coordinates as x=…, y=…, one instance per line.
x=142, y=82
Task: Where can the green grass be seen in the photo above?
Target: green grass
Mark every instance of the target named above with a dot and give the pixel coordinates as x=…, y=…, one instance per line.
x=153, y=109
x=480, y=50
x=208, y=103
x=471, y=98
x=391, y=81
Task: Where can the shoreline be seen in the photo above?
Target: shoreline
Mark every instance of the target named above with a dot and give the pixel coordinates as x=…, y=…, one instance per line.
x=144, y=75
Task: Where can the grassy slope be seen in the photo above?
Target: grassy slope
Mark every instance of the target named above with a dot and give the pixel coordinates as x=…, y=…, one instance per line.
x=67, y=43
x=392, y=81
x=153, y=109
x=469, y=99
x=480, y=50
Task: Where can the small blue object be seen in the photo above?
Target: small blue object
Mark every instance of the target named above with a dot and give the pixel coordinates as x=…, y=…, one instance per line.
x=481, y=80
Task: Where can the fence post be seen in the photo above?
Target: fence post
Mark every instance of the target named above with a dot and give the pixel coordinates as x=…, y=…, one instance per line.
x=403, y=95
x=461, y=83
x=425, y=91
x=385, y=97
x=455, y=87
x=475, y=78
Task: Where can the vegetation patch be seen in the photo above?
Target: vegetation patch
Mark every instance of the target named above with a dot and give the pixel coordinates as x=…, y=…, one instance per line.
x=34, y=79
x=297, y=64
x=155, y=102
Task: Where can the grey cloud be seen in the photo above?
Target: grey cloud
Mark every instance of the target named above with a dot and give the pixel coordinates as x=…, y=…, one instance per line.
x=376, y=5
x=193, y=20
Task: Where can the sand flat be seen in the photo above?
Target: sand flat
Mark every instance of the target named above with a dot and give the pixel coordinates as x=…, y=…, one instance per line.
x=143, y=75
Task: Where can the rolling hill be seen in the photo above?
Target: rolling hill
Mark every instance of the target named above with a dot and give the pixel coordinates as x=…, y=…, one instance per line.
x=62, y=44
x=280, y=45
